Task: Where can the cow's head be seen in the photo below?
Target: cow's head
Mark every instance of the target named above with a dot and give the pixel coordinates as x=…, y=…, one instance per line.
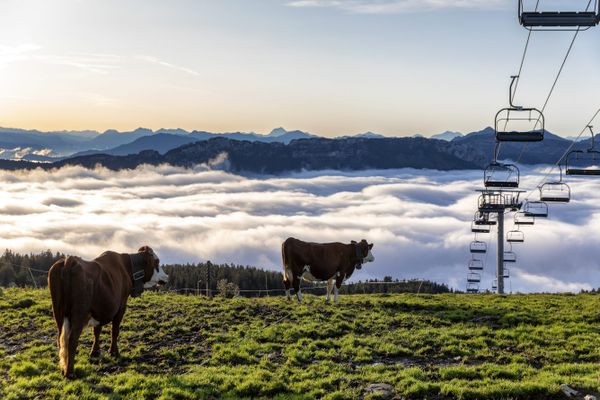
x=155, y=275
x=363, y=252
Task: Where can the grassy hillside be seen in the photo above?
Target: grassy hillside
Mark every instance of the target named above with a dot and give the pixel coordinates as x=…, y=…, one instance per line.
x=426, y=346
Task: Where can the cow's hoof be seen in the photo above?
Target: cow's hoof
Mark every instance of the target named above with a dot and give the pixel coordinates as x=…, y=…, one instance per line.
x=95, y=354
x=70, y=375
x=114, y=354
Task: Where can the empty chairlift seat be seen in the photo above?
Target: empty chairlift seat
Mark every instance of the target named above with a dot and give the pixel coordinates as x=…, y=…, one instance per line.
x=478, y=247
x=518, y=124
x=506, y=273
x=510, y=257
x=475, y=265
x=498, y=175
x=583, y=162
x=536, y=209
x=515, y=236
x=479, y=228
x=533, y=19
x=555, y=192
x=472, y=287
x=473, y=277
x=494, y=285
x=523, y=219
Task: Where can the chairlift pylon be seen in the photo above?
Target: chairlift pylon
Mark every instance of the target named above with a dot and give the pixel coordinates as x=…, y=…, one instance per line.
x=576, y=160
x=558, y=20
x=527, y=124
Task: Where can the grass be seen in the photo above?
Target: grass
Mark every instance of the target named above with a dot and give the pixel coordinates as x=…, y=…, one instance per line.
x=425, y=346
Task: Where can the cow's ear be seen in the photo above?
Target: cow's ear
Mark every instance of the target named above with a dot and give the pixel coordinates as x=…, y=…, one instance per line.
x=370, y=246
x=143, y=249
x=353, y=241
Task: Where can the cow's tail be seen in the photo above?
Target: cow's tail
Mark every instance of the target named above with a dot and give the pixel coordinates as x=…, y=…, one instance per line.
x=59, y=282
x=287, y=275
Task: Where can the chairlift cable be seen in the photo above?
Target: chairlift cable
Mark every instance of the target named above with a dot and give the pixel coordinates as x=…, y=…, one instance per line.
x=555, y=79
x=565, y=153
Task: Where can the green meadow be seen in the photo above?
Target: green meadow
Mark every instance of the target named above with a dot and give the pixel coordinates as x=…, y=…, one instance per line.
x=449, y=346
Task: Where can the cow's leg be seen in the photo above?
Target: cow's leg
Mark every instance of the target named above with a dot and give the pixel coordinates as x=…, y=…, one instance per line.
x=71, y=340
x=329, y=289
x=338, y=284
x=116, y=325
x=96, y=346
x=287, y=284
x=296, y=283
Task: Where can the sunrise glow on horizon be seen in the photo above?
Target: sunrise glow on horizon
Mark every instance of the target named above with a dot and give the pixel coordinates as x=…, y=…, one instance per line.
x=330, y=68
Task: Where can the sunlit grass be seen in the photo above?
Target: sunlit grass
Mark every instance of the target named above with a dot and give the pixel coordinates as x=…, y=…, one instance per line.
x=426, y=346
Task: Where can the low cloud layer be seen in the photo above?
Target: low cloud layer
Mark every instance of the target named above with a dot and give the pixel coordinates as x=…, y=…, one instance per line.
x=418, y=220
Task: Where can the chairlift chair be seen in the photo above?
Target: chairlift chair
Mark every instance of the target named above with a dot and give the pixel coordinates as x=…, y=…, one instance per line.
x=494, y=285
x=515, y=236
x=475, y=265
x=558, y=20
x=506, y=273
x=517, y=123
x=483, y=218
x=479, y=228
x=583, y=162
x=492, y=202
x=478, y=247
x=499, y=175
x=556, y=191
x=473, y=277
x=523, y=219
x=536, y=209
x=472, y=287
x=510, y=257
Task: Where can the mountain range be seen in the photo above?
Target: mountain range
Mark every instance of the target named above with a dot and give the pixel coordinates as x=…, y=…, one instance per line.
x=287, y=151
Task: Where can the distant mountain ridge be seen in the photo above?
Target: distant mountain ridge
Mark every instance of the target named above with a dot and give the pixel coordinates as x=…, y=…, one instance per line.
x=283, y=151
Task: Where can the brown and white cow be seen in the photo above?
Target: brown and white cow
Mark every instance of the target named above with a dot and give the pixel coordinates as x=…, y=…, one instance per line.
x=94, y=293
x=321, y=262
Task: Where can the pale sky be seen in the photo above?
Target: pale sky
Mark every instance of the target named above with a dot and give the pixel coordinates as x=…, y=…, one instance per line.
x=331, y=67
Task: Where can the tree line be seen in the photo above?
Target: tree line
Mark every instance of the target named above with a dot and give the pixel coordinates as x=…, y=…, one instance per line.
x=27, y=270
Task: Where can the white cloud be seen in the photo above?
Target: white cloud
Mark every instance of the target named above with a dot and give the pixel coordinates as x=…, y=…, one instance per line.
x=396, y=6
x=417, y=219
x=157, y=61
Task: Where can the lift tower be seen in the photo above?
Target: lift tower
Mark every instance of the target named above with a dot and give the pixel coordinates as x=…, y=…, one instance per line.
x=498, y=201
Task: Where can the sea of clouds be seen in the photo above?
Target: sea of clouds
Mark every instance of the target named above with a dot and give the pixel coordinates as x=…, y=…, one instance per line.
x=419, y=220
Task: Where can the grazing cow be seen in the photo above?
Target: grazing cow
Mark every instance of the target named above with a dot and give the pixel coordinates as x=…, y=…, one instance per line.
x=321, y=262
x=94, y=293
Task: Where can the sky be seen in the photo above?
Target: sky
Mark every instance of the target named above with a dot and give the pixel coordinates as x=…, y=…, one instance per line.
x=330, y=67
x=418, y=220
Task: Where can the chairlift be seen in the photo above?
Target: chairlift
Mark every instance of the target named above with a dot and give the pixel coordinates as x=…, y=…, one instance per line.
x=472, y=287
x=506, y=273
x=479, y=228
x=517, y=123
x=494, y=285
x=556, y=191
x=475, y=265
x=510, y=257
x=583, y=162
x=473, y=277
x=483, y=218
x=536, y=209
x=515, y=236
x=478, y=247
x=535, y=20
x=523, y=219
x=499, y=175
